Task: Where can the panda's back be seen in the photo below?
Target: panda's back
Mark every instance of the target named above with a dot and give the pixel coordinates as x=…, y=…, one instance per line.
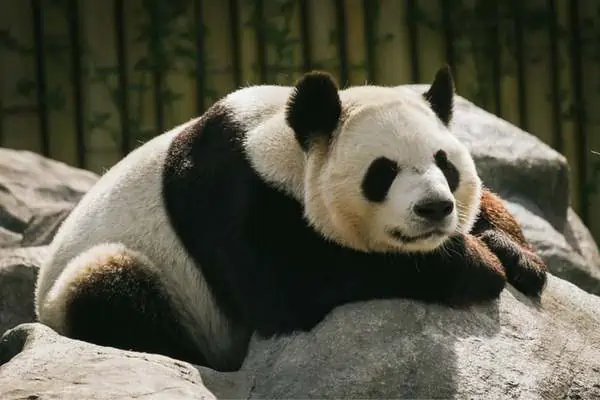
x=137, y=205
x=127, y=203
x=124, y=206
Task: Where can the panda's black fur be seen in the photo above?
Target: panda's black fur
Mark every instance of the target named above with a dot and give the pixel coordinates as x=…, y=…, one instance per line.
x=274, y=271
x=268, y=270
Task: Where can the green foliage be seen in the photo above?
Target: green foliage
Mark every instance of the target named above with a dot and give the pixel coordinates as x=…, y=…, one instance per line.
x=273, y=21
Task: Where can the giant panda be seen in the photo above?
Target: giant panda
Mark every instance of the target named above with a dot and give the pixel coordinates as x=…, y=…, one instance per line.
x=272, y=208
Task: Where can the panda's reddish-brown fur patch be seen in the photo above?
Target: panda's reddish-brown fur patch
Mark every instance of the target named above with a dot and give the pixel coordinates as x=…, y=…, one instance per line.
x=493, y=214
x=501, y=233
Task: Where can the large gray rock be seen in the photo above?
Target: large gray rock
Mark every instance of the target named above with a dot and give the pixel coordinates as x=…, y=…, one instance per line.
x=571, y=255
x=534, y=179
x=512, y=349
x=36, y=363
x=36, y=195
x=18, y=273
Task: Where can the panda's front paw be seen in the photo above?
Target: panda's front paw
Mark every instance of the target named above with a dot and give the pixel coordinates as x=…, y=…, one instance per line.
x=525, y=270
x=474, y=274
x=527, y=274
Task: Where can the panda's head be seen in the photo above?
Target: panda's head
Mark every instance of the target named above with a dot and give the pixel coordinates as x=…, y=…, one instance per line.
x=383, y=172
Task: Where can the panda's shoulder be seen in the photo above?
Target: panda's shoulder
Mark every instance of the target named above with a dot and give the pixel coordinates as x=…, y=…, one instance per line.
x=207, y=162
x=218, y=134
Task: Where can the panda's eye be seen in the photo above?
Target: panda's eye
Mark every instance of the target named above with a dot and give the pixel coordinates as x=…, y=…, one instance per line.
x=378, y=179
x=449, y=170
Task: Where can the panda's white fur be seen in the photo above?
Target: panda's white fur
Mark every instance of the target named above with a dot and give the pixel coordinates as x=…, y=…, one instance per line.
x=123, y=216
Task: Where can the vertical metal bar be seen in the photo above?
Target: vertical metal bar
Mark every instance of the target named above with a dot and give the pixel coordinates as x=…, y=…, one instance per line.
x=157, y=80
x=200, y=67
x=494, y=40
x=234, y=28
x=557, y=131
x=1, y=123
x=155, y=47
x=123, y=101
x=73, y=17
x=342, y=36
x=305, y=36
x=261, y=38
x=449, y=35
x=368, y=18
x=413, y=39
x=40, y=72
x=578, y=109
x=520, y=56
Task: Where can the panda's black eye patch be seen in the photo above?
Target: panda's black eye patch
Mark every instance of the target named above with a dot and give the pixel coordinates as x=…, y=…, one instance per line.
x=378, y=179
x=449, y=169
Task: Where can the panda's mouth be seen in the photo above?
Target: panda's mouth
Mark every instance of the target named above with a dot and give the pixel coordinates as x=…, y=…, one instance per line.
x=399, y=235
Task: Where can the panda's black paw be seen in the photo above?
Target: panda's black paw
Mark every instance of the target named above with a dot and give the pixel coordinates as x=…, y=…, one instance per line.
x=525, y=270
x=472, y=274
x=528, y=274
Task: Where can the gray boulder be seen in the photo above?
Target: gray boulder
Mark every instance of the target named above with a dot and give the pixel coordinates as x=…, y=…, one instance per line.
x=511, y=349
x=18, y=273
x=36, y=195
x=36, y=363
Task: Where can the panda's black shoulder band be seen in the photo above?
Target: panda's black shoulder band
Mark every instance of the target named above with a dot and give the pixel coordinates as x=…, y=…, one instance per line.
x=314, y=107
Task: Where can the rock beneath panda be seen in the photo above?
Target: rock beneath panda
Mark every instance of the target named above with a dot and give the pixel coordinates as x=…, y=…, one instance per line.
x=379, y=349
x=534, y=179
x=37, y=363
x=36, y=195
x=402, y=349
x=18, y=273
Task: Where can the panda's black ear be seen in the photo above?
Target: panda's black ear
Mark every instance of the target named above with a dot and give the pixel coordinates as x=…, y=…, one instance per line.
x=314, y=107
x=441, y=94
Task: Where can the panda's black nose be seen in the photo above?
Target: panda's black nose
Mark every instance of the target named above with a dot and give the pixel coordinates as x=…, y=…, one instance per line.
x=434, y=210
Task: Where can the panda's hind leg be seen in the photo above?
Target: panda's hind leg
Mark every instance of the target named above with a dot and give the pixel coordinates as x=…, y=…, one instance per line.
x=112, y=296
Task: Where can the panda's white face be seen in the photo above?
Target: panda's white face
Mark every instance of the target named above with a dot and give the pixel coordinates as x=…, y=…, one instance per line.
x=395, y=179
x=382, y=172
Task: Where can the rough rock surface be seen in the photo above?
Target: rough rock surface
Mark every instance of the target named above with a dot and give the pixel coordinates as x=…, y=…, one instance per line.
x=512, y=349
x=36, y=194
x=44, y=365
x=18, y=273
x=381, y=349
